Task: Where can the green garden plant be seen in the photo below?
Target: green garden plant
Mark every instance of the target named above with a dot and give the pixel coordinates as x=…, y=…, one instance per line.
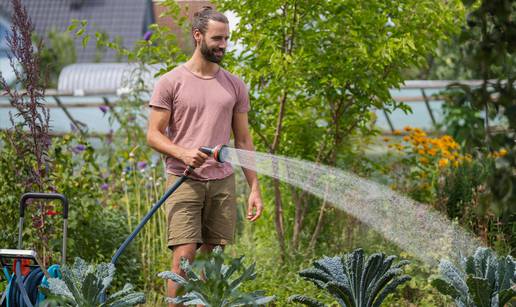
x=218, y=288
x=481, y=280
x=354, y=280
x=84, y=284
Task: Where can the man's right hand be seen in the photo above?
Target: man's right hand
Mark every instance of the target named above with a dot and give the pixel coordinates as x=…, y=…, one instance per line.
x=193, y=157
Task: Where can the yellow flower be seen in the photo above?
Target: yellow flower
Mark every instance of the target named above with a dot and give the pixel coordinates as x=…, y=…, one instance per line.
x=407, y=128
x=386, y=139
x=456, y=163
x=432, y=152
x=502, y=152
x=419, y=131
x=406, y=138
x=443, y=162
x=421, y=152
x=396, y=132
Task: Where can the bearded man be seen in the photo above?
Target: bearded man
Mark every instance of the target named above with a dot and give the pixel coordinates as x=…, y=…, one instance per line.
x=198, y=104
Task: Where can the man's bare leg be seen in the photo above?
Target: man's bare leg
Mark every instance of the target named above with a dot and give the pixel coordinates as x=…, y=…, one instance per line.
x=187, y=251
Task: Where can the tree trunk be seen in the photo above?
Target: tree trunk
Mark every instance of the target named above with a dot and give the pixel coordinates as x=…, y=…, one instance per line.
x=277, y=191
x=318, y=227
x=279, y=219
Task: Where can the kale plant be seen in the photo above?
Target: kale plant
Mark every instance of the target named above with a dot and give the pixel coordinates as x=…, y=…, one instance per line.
x=84, y=285
x=353, y=279
x=218, y=288
x=480, y=280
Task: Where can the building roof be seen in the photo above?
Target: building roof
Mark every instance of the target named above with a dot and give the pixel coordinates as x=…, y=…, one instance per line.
x=127, y=19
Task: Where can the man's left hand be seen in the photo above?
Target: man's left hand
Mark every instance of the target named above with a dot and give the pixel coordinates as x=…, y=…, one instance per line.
x=255, y=206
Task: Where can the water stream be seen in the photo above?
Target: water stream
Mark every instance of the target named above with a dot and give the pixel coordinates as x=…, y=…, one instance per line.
x=415, y=227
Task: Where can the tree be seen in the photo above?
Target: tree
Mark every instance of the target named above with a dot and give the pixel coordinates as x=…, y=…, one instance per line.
x=316, y=69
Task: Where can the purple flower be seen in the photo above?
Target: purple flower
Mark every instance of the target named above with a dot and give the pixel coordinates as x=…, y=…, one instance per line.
x=104, y=187
x=79, y=148
x=104, y=109
x=147, y=35
x=73, y=128
x=141, y=165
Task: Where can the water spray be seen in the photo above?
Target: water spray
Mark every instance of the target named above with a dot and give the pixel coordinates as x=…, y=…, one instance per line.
x=415, y=227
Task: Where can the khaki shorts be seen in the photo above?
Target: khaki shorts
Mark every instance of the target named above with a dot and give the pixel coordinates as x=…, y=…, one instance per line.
x=201, y=212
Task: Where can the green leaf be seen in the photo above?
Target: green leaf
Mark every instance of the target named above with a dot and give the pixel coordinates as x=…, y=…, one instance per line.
x=305, y=301
x=479, y=290
x=505, y=296
x=85, y=40
x=445, y=288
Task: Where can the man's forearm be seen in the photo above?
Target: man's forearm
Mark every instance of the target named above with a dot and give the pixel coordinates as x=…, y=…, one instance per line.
x=162, y=144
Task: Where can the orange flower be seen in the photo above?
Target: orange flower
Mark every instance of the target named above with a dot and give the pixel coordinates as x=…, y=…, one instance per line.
x=432, y=152
x=386, y=139
x=406, y=138
x=443, y=162
x=502, y=152
x=423, y=160
x=407, y=128
x=421, y=152
x=396, y=132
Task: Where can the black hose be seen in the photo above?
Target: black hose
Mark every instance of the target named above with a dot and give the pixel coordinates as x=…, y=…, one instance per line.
x=30, y=283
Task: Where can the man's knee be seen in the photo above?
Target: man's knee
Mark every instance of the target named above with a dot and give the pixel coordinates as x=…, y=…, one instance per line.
x=186, y=251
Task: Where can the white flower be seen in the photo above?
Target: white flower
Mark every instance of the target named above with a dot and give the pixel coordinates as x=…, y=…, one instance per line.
x=389, y=23
x=321, y=123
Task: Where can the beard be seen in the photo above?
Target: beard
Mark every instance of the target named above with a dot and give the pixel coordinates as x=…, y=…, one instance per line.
x=210, y=55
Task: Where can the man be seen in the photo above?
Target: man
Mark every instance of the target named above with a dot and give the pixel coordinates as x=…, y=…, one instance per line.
x=198, y=104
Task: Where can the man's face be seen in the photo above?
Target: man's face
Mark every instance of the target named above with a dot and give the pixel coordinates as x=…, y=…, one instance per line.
x=214, y=42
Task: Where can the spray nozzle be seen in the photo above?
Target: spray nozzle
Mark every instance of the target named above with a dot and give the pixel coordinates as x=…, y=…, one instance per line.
x=219, y=152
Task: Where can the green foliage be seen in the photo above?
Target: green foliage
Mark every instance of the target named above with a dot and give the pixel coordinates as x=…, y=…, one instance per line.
x=218, y=288
x=76, y=175
x=483, y=118
x=481, y=280
x=487, y=41
x=58, y=52
x=327, y=59
x=84, y=285
x=462, y=188
x=355, y=280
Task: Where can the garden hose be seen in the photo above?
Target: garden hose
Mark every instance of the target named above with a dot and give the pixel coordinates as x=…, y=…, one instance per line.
x=30, y=284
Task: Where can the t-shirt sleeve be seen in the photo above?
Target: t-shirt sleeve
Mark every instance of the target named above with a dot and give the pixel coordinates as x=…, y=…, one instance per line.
x=162, y=94
x=242, y=104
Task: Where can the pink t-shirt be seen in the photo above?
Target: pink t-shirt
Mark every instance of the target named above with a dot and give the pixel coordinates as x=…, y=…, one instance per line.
x=201, y=114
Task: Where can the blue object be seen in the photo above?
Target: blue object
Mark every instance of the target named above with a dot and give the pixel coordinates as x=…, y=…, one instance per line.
x=54, y=272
